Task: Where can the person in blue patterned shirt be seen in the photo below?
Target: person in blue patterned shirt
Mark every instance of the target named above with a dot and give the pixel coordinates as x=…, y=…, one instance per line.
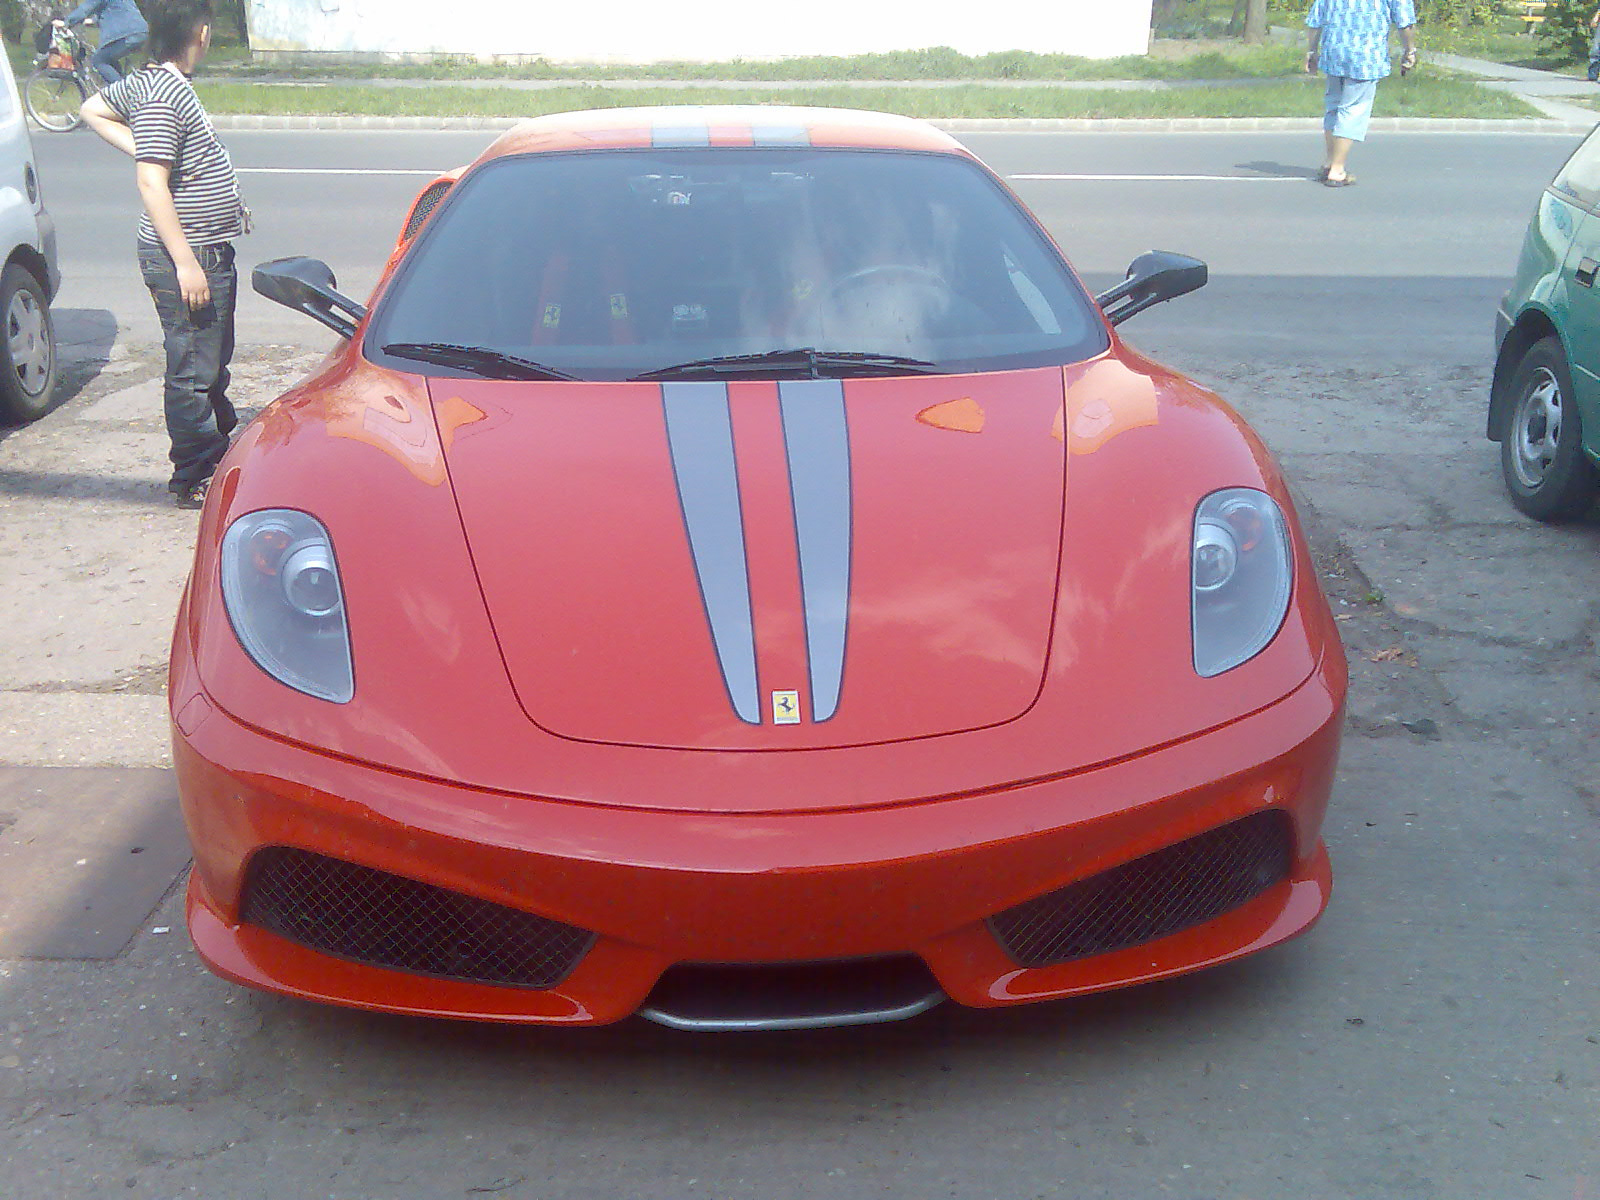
x=1594, y=47
x=1350, y=44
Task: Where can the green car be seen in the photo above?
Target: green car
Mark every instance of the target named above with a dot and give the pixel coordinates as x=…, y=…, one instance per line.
x=1544, y=405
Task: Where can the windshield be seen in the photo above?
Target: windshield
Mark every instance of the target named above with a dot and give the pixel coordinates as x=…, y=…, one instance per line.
x=614, y=264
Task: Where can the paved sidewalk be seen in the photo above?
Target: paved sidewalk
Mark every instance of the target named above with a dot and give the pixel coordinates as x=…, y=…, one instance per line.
x=1544, y=90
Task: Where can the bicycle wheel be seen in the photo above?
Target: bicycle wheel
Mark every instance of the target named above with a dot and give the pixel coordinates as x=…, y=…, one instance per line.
x=53, y=97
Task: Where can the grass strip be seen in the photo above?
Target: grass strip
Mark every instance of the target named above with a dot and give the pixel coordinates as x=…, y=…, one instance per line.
x=1422, y=95
x=1242, y=62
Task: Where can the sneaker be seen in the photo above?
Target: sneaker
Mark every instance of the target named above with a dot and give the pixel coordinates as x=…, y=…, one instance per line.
x=192, y=495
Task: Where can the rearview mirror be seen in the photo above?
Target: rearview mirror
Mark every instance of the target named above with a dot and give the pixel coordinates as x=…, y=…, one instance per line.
x=1154, y=276
x=307, y=285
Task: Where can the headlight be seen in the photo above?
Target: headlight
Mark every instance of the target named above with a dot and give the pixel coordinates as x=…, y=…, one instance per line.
x=280, y=585
x=1240, y=577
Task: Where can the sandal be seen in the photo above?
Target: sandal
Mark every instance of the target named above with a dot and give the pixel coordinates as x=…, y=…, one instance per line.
x=1347, y=181
x=1322, y=175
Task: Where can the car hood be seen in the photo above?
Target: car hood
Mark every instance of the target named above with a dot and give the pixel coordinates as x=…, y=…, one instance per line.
x=570, y=496
x=760, y=565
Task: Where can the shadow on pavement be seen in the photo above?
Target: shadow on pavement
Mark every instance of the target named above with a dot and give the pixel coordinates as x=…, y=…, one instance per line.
x=84, y=337
x=108, y=488
x=1268, y=167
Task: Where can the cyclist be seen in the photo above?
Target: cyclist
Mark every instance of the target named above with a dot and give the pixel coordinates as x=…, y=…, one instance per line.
x=122, y=31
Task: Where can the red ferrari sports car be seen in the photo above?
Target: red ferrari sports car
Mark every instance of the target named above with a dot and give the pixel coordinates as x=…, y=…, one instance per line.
x=731, y=571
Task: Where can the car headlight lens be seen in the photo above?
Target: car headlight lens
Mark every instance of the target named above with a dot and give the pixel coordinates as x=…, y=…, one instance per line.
x=280, y=586
x=1241, y=574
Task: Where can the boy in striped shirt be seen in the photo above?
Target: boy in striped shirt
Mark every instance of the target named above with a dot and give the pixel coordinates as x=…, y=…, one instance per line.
x=192, y=213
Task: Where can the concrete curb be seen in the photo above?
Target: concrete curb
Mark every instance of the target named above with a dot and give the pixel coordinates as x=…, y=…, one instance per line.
x=980, y=125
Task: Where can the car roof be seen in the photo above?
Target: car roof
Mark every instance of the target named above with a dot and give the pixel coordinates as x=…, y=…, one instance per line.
x=721, y=125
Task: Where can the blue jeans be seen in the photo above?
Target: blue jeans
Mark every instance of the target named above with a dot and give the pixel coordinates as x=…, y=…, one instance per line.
x=199, y=344
x=103, y=59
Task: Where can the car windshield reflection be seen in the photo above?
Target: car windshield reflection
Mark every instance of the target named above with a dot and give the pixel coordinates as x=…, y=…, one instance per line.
x=617, y=264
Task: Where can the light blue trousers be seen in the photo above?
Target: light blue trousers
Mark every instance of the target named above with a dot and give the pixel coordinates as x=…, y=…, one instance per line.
x=1347, y=107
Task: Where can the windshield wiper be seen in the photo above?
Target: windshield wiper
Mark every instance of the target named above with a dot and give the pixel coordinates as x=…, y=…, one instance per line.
x=480, y=360
x=813, y=363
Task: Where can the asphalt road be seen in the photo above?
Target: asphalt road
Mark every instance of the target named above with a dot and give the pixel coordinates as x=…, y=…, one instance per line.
x=1420, y=247
x=1436, y=1037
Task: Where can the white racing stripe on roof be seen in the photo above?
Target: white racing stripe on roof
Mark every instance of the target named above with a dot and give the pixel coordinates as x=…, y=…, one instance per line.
x=666, y=137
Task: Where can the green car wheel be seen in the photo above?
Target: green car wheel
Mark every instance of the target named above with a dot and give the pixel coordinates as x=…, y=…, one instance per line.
x=1541, y=454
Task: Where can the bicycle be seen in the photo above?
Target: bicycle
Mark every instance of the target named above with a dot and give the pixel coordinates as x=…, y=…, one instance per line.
x=61, y=79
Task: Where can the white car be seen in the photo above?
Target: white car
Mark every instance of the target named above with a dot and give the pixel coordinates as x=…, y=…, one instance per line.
x=30, y=277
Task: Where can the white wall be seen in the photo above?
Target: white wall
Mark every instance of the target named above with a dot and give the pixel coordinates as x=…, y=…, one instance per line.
x=632, y=31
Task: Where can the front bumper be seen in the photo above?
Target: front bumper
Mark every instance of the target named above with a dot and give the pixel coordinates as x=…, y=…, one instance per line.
x=659, y=888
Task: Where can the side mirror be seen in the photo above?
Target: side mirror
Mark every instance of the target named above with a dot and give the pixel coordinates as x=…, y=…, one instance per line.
x=1154, y=276
x=307, y=285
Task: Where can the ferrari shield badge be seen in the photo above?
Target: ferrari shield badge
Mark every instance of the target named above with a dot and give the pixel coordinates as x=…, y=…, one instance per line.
x=786, y=708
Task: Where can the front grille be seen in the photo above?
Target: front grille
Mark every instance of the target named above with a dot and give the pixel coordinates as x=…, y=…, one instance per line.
x=1174, y=888
x=386, y=920
x=426, y=203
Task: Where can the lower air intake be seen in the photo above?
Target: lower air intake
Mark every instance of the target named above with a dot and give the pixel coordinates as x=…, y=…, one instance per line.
x=386, y=920
x=1174, y=888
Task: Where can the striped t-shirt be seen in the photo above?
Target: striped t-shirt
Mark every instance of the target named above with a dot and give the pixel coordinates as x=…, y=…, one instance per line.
x=170, y=126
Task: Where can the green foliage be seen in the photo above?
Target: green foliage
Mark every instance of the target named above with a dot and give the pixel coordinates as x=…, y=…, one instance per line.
x=1190, y=19
x=20, y=18
x=1565, y=28
x=1433, y=13
x=1237, y=61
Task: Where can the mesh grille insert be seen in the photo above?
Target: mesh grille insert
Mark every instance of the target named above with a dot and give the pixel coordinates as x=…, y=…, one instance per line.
x=426, y=203
x=1173, y=888
x=386, y=920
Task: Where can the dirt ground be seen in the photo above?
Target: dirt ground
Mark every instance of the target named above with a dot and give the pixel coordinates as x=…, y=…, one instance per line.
x=96, y=555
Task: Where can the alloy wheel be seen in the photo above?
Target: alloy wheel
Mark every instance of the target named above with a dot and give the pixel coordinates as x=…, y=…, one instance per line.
x=1536, y=429
x=28, y=341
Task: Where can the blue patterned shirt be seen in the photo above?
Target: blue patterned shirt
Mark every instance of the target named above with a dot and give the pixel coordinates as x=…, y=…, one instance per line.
x=1355, y=34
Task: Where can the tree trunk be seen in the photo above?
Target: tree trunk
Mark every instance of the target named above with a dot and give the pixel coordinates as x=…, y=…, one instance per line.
x=1255, y=21
x=1236, y=23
